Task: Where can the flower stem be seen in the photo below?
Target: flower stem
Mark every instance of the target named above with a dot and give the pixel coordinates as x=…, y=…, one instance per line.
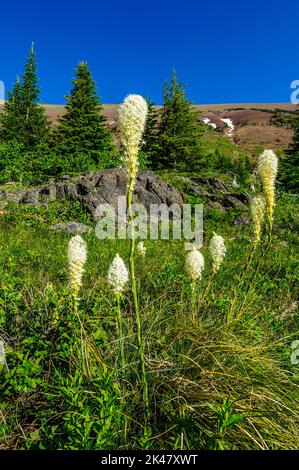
x=120, y=333
x=136, y=307
x=193, y=300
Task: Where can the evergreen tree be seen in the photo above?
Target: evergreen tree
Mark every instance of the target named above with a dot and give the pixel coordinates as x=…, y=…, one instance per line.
x=81, y=132
x=179, y=129
x=10, y=119
x=23, y=119
x=290, y=165
x=150, y=139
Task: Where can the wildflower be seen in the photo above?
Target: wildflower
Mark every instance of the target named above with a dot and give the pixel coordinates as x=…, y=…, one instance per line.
x=217, y=250
x=257, y=208
x=132, y=118
x=267, y=168
x=2, y=353
x=118, y=275
x=194, y=264
x=141, y=248
x=77, y=254
x=295, y=353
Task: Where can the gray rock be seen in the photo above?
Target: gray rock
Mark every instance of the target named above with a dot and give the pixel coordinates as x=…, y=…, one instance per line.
x=30, y=197
x=72, y=228
x=243, y=220
x=93, y=189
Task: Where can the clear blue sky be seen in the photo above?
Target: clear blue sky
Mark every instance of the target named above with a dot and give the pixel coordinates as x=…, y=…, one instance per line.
x=224, y=51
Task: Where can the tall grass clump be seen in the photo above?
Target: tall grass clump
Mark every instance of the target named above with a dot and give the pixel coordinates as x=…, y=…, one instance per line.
x=132, y=119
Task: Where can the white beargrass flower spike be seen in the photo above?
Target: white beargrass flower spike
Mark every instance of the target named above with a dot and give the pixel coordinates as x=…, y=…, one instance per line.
x=141, y=248
x=194, y=264
x=217, y=251
x=2, y=353
x=257, y=208
x=267, y=168
x=132, y=119
x=118, y=275
x=77, y=254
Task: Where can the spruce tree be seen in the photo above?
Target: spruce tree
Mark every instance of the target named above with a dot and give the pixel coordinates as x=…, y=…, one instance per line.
x=81, y=132
x=179, y=129
x=11, y=121
x=150, y=139
x=23, y=119
x=290, y=164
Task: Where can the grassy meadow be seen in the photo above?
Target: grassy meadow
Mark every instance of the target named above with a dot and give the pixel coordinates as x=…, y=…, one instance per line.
x=212, y=384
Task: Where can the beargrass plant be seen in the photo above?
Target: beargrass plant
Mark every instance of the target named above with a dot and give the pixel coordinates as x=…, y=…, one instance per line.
x=194, y=266
x=118, y=277
x=77, y=255
x=132, y=119
x=267, y=168
x=213, y=385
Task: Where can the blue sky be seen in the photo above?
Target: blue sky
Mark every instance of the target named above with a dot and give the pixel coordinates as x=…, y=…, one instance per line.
x=224, y=51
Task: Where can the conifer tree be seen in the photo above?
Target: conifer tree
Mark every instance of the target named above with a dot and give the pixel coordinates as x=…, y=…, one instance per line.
x=81, y=132
x=150, y=140
x=179, y=129
x=23, y=119
x=290, y=164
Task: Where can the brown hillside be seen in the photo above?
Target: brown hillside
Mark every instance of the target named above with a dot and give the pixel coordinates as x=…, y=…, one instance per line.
x=251, y=120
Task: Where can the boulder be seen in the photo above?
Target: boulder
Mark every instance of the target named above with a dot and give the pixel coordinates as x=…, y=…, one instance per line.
x=93, y=189
x=72, y=228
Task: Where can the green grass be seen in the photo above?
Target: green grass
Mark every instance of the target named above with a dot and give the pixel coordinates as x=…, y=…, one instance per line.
x=212, y=385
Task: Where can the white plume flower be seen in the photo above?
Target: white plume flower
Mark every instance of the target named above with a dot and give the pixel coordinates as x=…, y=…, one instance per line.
x=77, y=254
x=2, y=353
x=118, y=274
x=141, y=248
x=257, y=208
x=267, y=168
x=132, y=119
x=194, y=264
x=217, y=250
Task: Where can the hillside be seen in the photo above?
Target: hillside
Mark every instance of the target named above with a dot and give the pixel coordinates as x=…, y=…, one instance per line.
x=255, y=124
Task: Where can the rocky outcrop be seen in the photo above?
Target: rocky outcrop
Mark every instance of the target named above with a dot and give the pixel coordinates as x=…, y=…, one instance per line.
x=215, y=193
x=102, y=187
x=93, y=189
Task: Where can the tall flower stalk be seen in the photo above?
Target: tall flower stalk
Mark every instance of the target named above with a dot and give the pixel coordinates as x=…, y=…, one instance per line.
x=194, y=266
x=217, y=251
x=77, y=255
x=132, y=119
x=267, y=168
x=118, y=277
x=257, y=209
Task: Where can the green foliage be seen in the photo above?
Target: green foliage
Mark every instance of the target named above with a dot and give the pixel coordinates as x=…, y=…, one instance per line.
x=220, y=156
x=81, y=134
x=177, y=138
x=150, y=138
x=225, y=419
x=23, y=119
x=11, y=162
x=290, y=164
x=210, y=385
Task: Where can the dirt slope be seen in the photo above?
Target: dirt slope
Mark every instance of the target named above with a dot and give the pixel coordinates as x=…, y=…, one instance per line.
x=253, y=121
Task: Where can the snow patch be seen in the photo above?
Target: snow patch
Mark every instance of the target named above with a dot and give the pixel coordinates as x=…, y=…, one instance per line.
x=209, y=123
x=230, y=126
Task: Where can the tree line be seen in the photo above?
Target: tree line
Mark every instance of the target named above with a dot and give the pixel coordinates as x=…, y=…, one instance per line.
x=31, y=148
